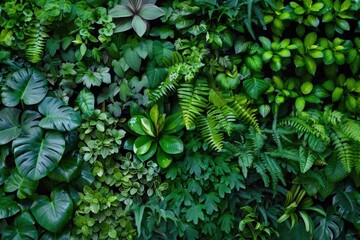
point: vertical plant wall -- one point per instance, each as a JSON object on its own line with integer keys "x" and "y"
{"x": 195, "y": 119}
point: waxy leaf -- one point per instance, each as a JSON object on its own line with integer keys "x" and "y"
{"x": 27, "y": 85}
{"x": 86, "y": 102}
{"x": 171, "y": 144}
{"x": 163, "y": 159}
{"x": 58, "y": 116}
{"x": 135, "y": 125}
{"x": 37, "y": 155}
{"x": 67, "y": 170}
{"x": 142, "y": 144}
{"x": 8, "y": 207}
{"x": 139, "y": 25}
{"x": 53, "y": 214}
{"x": 9, "y": 125}
{"x": 23, "y": 228}
{"x": 24, "y": 187}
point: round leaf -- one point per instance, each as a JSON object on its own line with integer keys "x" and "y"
{"x": 163, "y": 159}
{"x": 171, "y": 144}
{"x": 53, "y": 214}
{"x": 27, "y": 85}
{"x": 58, "y": 116}
{"x": 142, "y": 144}
{"x": 9, "y": 125}
{"x": 35, "y": 155}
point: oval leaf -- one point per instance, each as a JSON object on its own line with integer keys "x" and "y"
{"x": 86, "y": 102}
{"x": 58, "y": 116}
{"x": 254, "y": 87}
{"x": 149, "y": 153}
{"x": 27, "y": 85}
{"x": 171, "y": 144}
{"x": 9, "y": 125}
{"x": 139, "y": 25}
{"x": 35, "y": 155}
{"x": 142, "y": 144}
{"x": 163, "y": 159}
{"x": 53, "y": 214}
{"x": 135, "y": 125}
{"x": 150, "y": 12}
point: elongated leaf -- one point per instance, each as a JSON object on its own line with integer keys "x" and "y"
{"x": 171, "y": 144}
{"x": 27, "y": 85}
{"x": 37, "y": 155}
{"x": 9, "y": 125}
{"x": 120, "y": 11}
{"x": 24, "y": 187}
{"x": 58, "y": 116}
{"x": 139, "y": 25}
{"x": 150, "y": 12}
{"x": 86, "y": 102}
{"x": 254, "y": 87}
{"x": 53, "y": 214}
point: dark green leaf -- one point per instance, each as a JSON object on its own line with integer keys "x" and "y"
{"x": 151, "y": 12}
{"x": 254, "y": 87}
{"x": 67, "y": 170}
{"x": 9, "y": 125}
{"x": 8, "y": 207}
{"x": 22, "y": 229}
{"x": 135, "y": 125}
{"x": 24, "y": 187}
{"x": 142, "y": 144}
{"x": 86, "y": 102}
{"x": 139, "y": 25}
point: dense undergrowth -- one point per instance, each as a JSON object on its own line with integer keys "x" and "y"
{"x": 196, "y": 119}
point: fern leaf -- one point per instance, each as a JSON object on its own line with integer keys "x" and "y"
{"x": 210, "y": 132}
{"x": 335, "y": 171}
{"x": 193, "y": 101}
{"x": 306, "y": 160}
{"x": 225, "y": 116}
{"x": 36, "y": 42}
{"x": 343, "y": 149}
{"x": 245, "y": 114}
{"x": 274, "y": 170}
{"x": 261, "y": 170}
{"x": 351, "y": 129}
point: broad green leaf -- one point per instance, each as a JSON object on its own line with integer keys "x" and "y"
{"x": 67, "y": 169}
{"x": 37, "y": 154}
{"x": 310, "y": 65}
{"x": 123, "y": 25}
{"x": 150, "y": 12}
{"x": 265, "y": 42}
{"x": 139, "y": 213}
{"x": 142, "y": 144}
{"x": 171, "y": 144}
{"x": 53, "y": 214}
{"x": 9, "y": 125}
{"x": 163, "y": 159}
{"x": 120, "y": 11}
{"x": 162, "y": 51}
{"x": 162, "y": 32}
{"x": 22, "y": 229}
{"x": 310, "y": 39}
{"x": 254, "y": 87}
{"x": 8, "y": 207}
{"x": 155, "y": 75}
{"x": 132, "y": 59}
{"x": 135, "y": 125}
{"x": 86, "y": 102}
{"x": 148, "y": 127}
{"x": 154, "y": 114}
{"x": 328, "y": 227}
{"x": 58, "y": 116}
{"x": 194, "y": 213}
{"x": 173, "y": 123}
{"x": 29, "y": 121}
{"x": 27, "y": 85}
{"x": 254, "y": 62}
{"x": 24, "y": 187}
{"x": 139, "y": 25}
{"x": 316, "y": 53}
{"x": 328, "y": 57}
{"x": 149, "y": 153}
{"x": 64, "y": 235}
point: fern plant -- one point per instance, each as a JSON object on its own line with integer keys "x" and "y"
{"x": 36, "y": 42}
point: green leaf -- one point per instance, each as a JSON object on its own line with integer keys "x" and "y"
{"x": 154, "y": 114}
{"x": 142, "y": 144}
{"x": 328, "y": 57}
{"x": 163, "y": 159}
{"x": 8, "y": 207}
{"x": 9, "y": 125}
{"x": 135, "y": 125}
{"x": 148, "y": 127}
{"x": 120, "y": 11}
{"x": 86, "y": 102}
{"x": 67, "y": 169}
{"x": 132, "y": 59}
{"x": 24, "y": 187}
{"x": 139, "y": 213}
{"x": 150, "y": 12}
{"x": 171, "y": 144}
{"x": 53, "y": 214}
{"x": 211, "y": 203}
{"x": 139, "y": 25}
{"x": 254, "y": 63}
{"x": 310, "y": 39}
{"x": 328, "y": 227}
{"x": 265, "y": 42}
{"x": 64, "y": 235}
{"x": 149, "y": 153}
{"x": 316, "y": 54}
{"x": 58, "y": 116}
{"x": 254, "y": 87}
{"x": 23, "y": 228}
{"x": 29, "y": 121}
{"x": 194, "y": 213}
{"x": 27, "y": 85}
{"x": 306, "y": 161}
{"x": 173, "y": 123}
{"x": 37, "y": 155}
{"x": 310, "y": 65}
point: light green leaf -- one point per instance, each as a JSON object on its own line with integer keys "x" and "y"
{"x": 310, "y": 39}
{"x": 135, "y": 125}
{"x": 86, "y": 102}
{"x": 58, "y": 116}
{"x": 310, "y": 65}
{"x": 142, "y": 144}
{"x": 254, "y": 87}
{"x": 120, "y": 11}
{"x": 171, "y": 144}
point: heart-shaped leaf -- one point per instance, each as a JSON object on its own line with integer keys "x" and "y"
{"x": 58, "y": 116}
{"x": 23, "y": 228}
{"x": 37, "y": 155}
{"x": 24, "y": 187}
{"x": 9, "y": 125}
{"x": 67, "y": 170}
{"x": 8, "y": 207}
{"x": 53, "y": 214}
{"x": 171, "y": 144}
{"x": 27, "y": 85}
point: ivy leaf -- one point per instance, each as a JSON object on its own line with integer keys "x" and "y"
{"x": 86, "y": 102}
{"x": 226, "y": 220}
{"x": 58, "y": 116}
{"x": 194, "y": 213}
{"x": 9, "y": 125}
{"x": 254, "y": 87}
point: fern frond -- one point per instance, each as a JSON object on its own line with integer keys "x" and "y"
{"x": 175, "y": 58}
{"x": 343, "y": 149}
{"x": 225, "y": 116}
{"x": 36, "y": 42}
{"x": 210, "y": 132}
{"x": 245, "y": 114}
{"x": 288, "y": 154}
{"x": 274, "y": 170}
{"x": 351, "y": 129}
{"x": 193, "y": 100}
{"x": 261, "y": 170}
